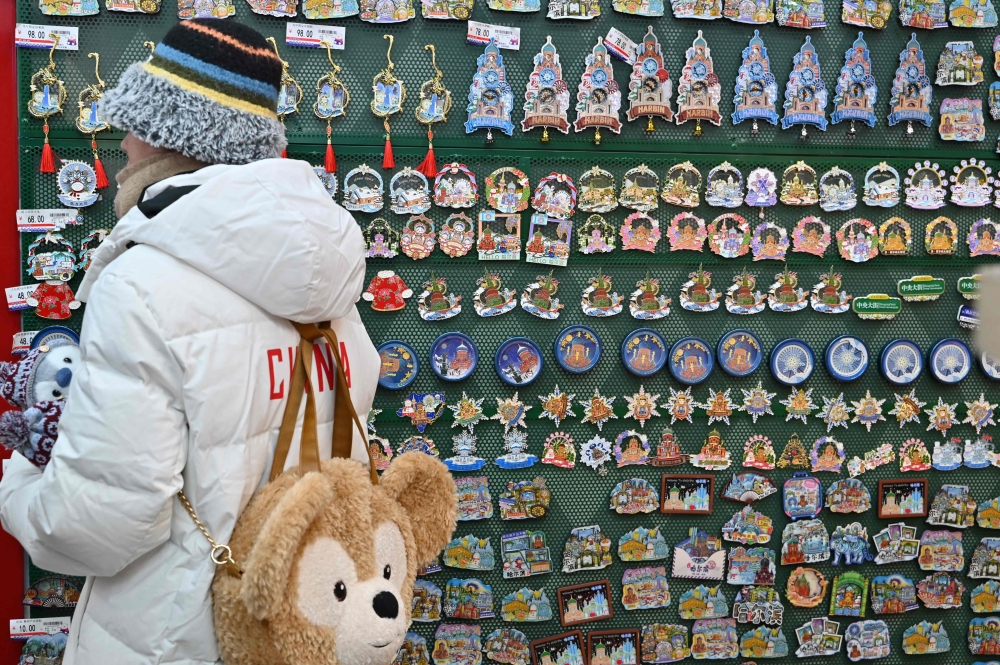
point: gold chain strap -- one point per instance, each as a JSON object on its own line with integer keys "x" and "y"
{"x": 221, "y": 554}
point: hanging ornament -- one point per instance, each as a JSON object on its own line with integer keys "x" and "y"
{"x": 596, "y": 235}
{"x": 290, "y": 92}
{"x": 646, "y": 303}
{"x": 511, "y": 412}
{"x": 681, "y": 186}
{"x": 652, "y": 8}
{"x": 785, "y": 294}
{"x": 911, "y": 91}
{"x": 942, "y": 416}
{"x": 187, "y": 9}
{"x": 546, "y": 100}
{"x": 434, "y": 106}
{"x": 756, "y": 88}
{"x": 805, "y": 94}
{"x": 598, "y": 97}
{"x": 89, "y": 245}
{"x": 649, "y": 84}
{"x": 456, "y": 236}
{"x": 827, "y": 296}
{"x": 90, "y": 122}
{"x": 491, "y": 99}
{"x": 835, "y": 412}
{"x": 389, "y": 93}
{"x": 48, "y": 94}
{"x": 77, "y": 185}
{"x": 856, "y": 89}
{"x": 332, "y": 98}
{"x": 698, "y": 89}
{"x": 536, "y": 299}
{"x": 595, "y": 453}
{"x": 743, "y": 297}
{"x": 907, "y": 408}
{"x": 697, "y": 294}
{"x": 972, "y": 183}
{"x": 799, "y": 405}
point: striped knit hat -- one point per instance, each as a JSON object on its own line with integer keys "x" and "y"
{"x": 209, "y": 91}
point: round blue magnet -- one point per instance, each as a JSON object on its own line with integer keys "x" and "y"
{"x": 454, "y": 356}
{"x": 518, "y": 361}
{"x": 901, "y": 362}
{"x": 847, "y": 358}
{"x": 792, "y": 362}
{"x": 950, "y": 361}
{"x": 644, "y": 352}
{"x": 577, "y": 349}
{"x": 398, "y": 365}
{"x": 989, "y": 365}
{"x": 691, "y": 360}
{"x": 739, "y": 353}
{"x": 52, "y": 333}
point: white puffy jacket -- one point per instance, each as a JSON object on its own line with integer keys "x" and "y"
{"x": 186, "y": 362}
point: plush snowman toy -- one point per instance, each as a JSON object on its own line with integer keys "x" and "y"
{"x": 37, "y": 384}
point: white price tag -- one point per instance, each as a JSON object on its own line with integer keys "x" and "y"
{"x": 17, "y": 296}
{"x": 22, "y": 342}
{"x": 310, "y": 36}
{"x": 40, "y": 221}
{"x": 22, "y": 629}
{"x": 620, "y": 46}
{"x": 505, "y": 38}
{"x": 28, "y": 35}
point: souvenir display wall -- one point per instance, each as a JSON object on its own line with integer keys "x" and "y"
{"x": 780, "y": 312}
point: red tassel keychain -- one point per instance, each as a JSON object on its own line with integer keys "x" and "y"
{"x": 89, "y": 121}
{"x": 434, "y": 105}
{"x": 331, "y": 102}
{"x": 390, "y": 93}
{"x": 48, "y": 94}
{"x": 429, "y": 166}
{"x": 388, "y": 159}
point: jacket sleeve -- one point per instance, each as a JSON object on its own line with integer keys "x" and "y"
{"x": 106, "y": 497}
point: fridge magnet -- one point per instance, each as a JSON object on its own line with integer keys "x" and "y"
{"x": 757, "y": 14}
{"x": 387, "y": 292}
{"x": 372, "y": 11}
{"x": 363, "y": 190}
{"x": 468, "y": 599}
{"x": 491, "y": 298}
{"x": 785, "y": 295}
{"x": 381, "y": 241}
{"x": 802, "y": 496}
{"x": 511, "y": 413}
{"x": 668, "y": 452}
{"x": 642, "y": 544}
{"x": 685, "y": 494}
{"x": 690, "y": 361}
{"x": 748, "y": 527}
{"x": 508, "y": 190}
{"x": 418, "y": 238}
{"x": 849, "y": 595}
{"x": 881, "y": 186}
{"x": 546, "y": 99}
{"x": 649, "y": 85}
{"x": 645, "y": 588}
{"x": 526, "y": 606}
{"x": 848, "y": 495}
{"x": 564, "y": 649}
{"x": 52, "y": 261}
{"x": 557, "y": 406}
{"x": 818, "y": 637}
{"x": 699, "y": 556}
{"x": 941, "y": 237}
{"x": 984, "y": 636}
{"x": 989, "y": 364}
{"x": 902, "y": 498}
{"x": 644, "y": 353}
{"x": 586, "y": 549}
{"x": 985, "y": 562}
{"x": 88, "y": 247}
{"x": 941, "y": 591}
{"x": 718, "y": 407}
{"x": 769, "y": 242}
{"x": 597, "y": 193}
{"x": 835, "y": 412}
{"x": 959, "y": 64}
{"x": 455, "y": 187}
{"x": 748, "y": 487}
{"x": 994, "y": 100}
{"x": 491, "y": 99}
{"x": 410, "y": 194}
{"x": 703, "y": 602}
{"x": 631, "y": 447}
{"x": 555, "y": 196}
{"x": 962, "y": 120}
{"x": 979, "y": 414}
{"x": 682, "y": 185}
{"x": 952, "y": 506}
{"x": 729, "y": 236}
{"x": 741, "y": 298}
{"x": 454, "y": 357}
{"x": 640, "y": 232}
{"x": 988, "y": 516}
{"x": 758, "y": 453}
{"x": 634, "y": 496}
{"x": 698, "y": 88}
{"x": 925, "y": 186}
{"x": 398, "y": 365}
{"x": 686, "y": 232}
{"x": 984, "y": 598}
{"x": 811, "y": 235}
{"x": 87, "y": 8}
{"x": 926, "y": 638}
{"x": 867, "y": 640}
{"x": 806, "y": 587}
{"x": 52, "y": 591}
{"x": 639, "y": 190}
{"x": 764, "y": 643}
{"x": 597, "y": 298}
{"x": 709, "y": 10}
{"x": 613, "y": 646}
{"x": 595, "y": 453}
{"x": 921, "y": 288}
{"x": 474, "y": 500}
{"x": 584, "y": 11}
{"x": 499, "y": 236}
{"x": 901, "y": 363}
{"x": 856, "y": 90}
{"x": 978, "y": 454}
{"x": 598, "y": 98}
{"x": 329, "y": 181}
{"x": 857, "y": 241}
{"x": 714, "y": 639}
{"x": 751, "y": 566}
{"x": 646, "y": 303}
{"x": 548, "y": 244}
{"x": 664, "y": 643}
{"x": 799, "y": 405}
{"x": 455, "y": 237}
{"x": 724, "y": 188}
{"x": 419, "y": 444}
{"x": 798, "y": 185}
{"x": 805, "y": 94}
{"x": 525, "y": 499}
{"x": 868, "y": 410}
{"x": 827, "y": 455}
{"x": 950, "y": 361}
{"x": 804, "y": 14}
{"x": 577, "y": 349}
{"x": 893, "y": 594}
{"x": 877, "y": 306}
{"x": 680, "y": 406}
{"x": 948, "y": 455}
{"x": 982, "y": 238}
{"x": 596, "y": 236}
{"x": 414, "y": 650}
{"x": 757, "y": 402}
{"x": 518, "y": 361}
{"x": 598, "y": 410}
{"x": 896, "y": 543}
{"x": 757, "y": 605}
{"x": 978, "y": 14}
{"x": 642, "y": 405}
{"x": 913, "y": 456}
{"x": 525, "y": 554}
{"x": 762, "y": 187}
{"x": 521, "y": 6}
{"x": 756, "y": 91}
{"x": 77, "y": 185}
{"x": 971, "y": 184}
{"x": 805, "y": 542}
{"x": 847, "y": 359}
{"x": 464, "y": 445}
{"x": 827, "y": 298}
{"x": 836, "y": 188}
{"x": 925, "y": 14}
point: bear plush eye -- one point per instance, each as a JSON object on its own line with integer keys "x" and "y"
{"x": 340, "y": 591}
{"x": 387, "y": 571}
{"x": 57, "y": 393}
{"x": 390, "y": 553}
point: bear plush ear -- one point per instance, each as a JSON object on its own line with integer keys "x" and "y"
{"x": 425, "y": 489}
{"x": 265, "y": 573}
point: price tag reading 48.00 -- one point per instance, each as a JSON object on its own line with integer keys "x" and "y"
{"x": 505, "y": 38}
{"x": 310, "y": 36}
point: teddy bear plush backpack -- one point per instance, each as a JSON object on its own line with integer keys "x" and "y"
{"x": 321, "y": 564}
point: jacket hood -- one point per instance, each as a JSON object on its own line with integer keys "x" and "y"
{"x": 266, "y": 230}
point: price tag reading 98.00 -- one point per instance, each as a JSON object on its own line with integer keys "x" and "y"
{"x": 504, "y": 37}
{"x": 311, "y": 36}
{"x": 29, "y": 35}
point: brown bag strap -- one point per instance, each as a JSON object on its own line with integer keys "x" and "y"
{"x": 309, "y": 444}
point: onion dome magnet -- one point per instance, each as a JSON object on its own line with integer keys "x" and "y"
{"x": 518, "y": 361}
{"x": 856, "y": 89}
{"x": 577, "y": 349}
{"x": 901, "y": 362}
{"x": 846, "y": 358}
{"x": 644, "y": 352}
{"x": 508, "y": 190}
{"x": 911, "y": 88}
{"x": 491, "y": 99}
{"x": 756, "y": 89}
{"x": 691, "y": 360}
{"x": 792, "y": 362}
{"x": 950, "y": 361}
{"x": 805, "y": 94}
{"x": 454, "y": 356}
{"x": 399, "y": 365}
{"x": 739, "y": 353}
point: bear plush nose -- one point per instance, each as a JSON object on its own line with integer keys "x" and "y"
{"x": 64, "y": 376}
{"x": 386, "y": 605}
